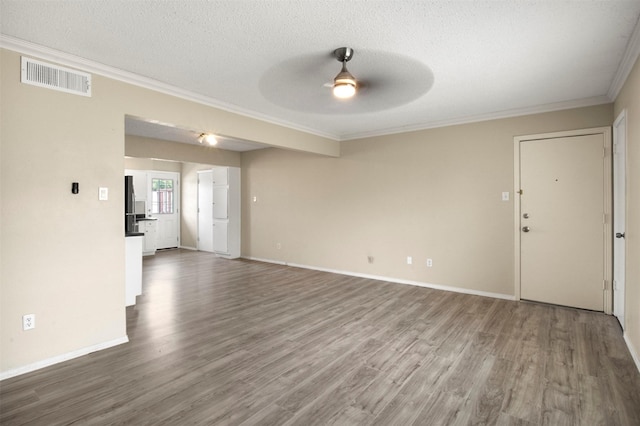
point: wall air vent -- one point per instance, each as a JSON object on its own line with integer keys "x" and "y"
{"x": 55, "y": 77}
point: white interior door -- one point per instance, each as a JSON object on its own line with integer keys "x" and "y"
{"x": 163, "y": 203}
{"x": 619, "y": 214}
{"x": 562, "y": 230}
{"x": 205, "y": 211}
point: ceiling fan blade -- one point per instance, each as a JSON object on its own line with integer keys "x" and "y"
{"x": 384, "y": 81}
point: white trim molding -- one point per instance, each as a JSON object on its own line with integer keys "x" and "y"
{"x": 391, "y": 280}
{"x": 536, "y": 109}
{"x": 632, "y": 350}
{"x": 48, "y": 54}
{"x": 45, "y": 53}
{"x": 258, "y": 259}
{"x": 62, "y": 358}
{"x": 628, "y": 60}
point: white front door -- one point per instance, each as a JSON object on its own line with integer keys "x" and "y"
{"x": 205, "y": 211}
{"x": 562, "y": 234}
{"x": 619, "y": 214}
{"x": 163, "y": 203}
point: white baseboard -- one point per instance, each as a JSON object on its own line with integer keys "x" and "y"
{"x": 392, "y": 280}
{"x": 258, "y": 259}
{"x": 188, "y": 248}
{"x": 61, "y": 358}
{"x": 632, "y": 350}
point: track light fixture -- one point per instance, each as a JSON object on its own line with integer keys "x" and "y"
{"x": 208, "y": 138}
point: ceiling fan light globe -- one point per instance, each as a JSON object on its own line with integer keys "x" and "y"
{"x": 344, "y": 90}
{"x": 344, "y": 85}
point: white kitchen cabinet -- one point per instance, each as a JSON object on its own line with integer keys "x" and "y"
{"x": 220, "y": 237}
{"x": 133, "y": 268}
{"x": 220, "y": 202}
{"x": 149, "y": 228}
{"x": 219, "y": 211}
{"x": 220, "y": 175}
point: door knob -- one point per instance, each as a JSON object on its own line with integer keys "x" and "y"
{"x": 525, "y": 229}
{"x": 619, "y": 234}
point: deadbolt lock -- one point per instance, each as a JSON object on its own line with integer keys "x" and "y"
{"x": 525, "y": 229}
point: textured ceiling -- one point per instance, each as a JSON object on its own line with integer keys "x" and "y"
{"x": 425, "y": 63}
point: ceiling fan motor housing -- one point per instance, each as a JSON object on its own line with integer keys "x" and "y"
{"x": 343, "y": 54}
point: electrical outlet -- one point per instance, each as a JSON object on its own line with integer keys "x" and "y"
{"x": 409, "y": 260}
{"x": 278, "y": 246}
{"x": 28, "y": 321}
{"x": 429, "y": 263}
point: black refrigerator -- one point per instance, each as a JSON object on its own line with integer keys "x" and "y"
{"x": 129, "y": 206}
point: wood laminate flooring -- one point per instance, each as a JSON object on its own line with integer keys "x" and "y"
{"x": 215, "y": 341}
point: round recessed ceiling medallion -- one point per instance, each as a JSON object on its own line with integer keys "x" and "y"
{"x": 384, "y": 81}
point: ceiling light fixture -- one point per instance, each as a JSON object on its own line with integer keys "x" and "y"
{"x": 344, "y": 85}
{"x": 208, "y": 138}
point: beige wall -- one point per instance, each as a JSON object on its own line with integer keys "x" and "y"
{"x": 629, "y": 99}
{"x": 428, "y": 194}
{"x": 53, "y": 242}
{"x": 62, "y": 255}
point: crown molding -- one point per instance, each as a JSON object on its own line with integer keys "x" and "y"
{"x": 28, "y": 48}
{"x": 45, "y": 53}
{"x": 629, "y": 59}
{"x": 538, "y": 109}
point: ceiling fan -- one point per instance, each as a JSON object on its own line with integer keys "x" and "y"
{"x": 382, "y": 80}
{"x": 345, "y": 84}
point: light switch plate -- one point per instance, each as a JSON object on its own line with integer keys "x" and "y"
{"x": 505, "y": 196}
{"x": 103, "y": 194}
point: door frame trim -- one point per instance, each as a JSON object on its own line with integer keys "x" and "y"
{"x": 608, "y": 204}
{"x": 199, "y": 173}
{"x": 622, "y": 116}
